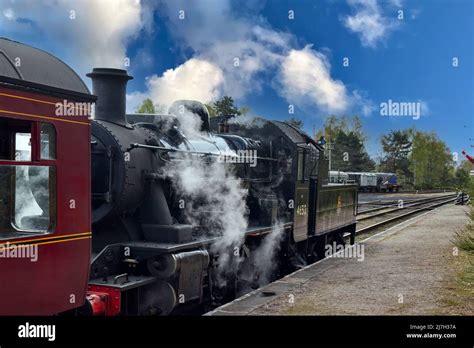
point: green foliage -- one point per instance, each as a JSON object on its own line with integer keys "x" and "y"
{"x": 244, "y": 110}
{"x": 396, "y": 147}
{"x": 295, "y": 122}
{"x": 349, "y": 146}
{"x": 212, "y": 111}
{"x": 348, "y": 139}
{"x": 431, "y": 162}
{"x": 147, "y": 107}
{"x": 226, "y": 107}
{"x": 462, "y": 179}
{"x": 464, "y": 239}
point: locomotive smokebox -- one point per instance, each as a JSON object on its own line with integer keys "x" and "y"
{"x": 110, "y": 87}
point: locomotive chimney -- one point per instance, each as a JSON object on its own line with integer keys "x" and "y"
{"x": 110, "y": 87}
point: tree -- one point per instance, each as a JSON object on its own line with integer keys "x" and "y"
{"x": 431, "y": 162}
{"x": 396, "y": 146}
{"x": 462, "y": 179}
{"x": 349, "y": 153}
{"x": 147, "y": 107}
{"x": 348, "y": 139}
{"x": 226, "y": 107}
{"x": 211, "y": 110}
{"x": 295, "y": 122}
{"x": 244, "y": 110}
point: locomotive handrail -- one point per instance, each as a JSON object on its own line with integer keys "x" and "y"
{"x": 166, "y": 149}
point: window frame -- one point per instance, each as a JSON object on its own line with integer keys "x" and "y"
{"x": 35, "y": 161}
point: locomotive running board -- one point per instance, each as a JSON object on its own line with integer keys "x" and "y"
{"x": 129, "y": 282}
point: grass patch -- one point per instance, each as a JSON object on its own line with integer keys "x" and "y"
{"x": 464, "y": 240}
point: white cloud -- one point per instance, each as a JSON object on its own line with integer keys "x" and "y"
{"x": 369, "y": 22}
{"x": 95, "y": 33}
{"x": 196, "y": 79}
{"x": 305, "y": 78}
{"x": 9, "y": 14}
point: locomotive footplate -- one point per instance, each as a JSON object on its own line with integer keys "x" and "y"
{"x": 123, "y": 282}
{"x": 156, "y": 248}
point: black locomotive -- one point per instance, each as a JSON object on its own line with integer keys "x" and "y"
{"x": 147, "y": 243}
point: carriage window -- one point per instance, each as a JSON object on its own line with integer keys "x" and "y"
{"x": 23, "y": 147}
{"x": 48, "y": 141}
{"x": 15, "y": 140}
{"x": 27, "y": 200}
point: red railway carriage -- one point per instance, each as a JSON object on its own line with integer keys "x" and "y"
{"x": 45, "y": 232}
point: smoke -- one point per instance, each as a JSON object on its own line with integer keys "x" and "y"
{"x": 267, "y": 262}
{"x": 196, "y": 79}
{"x": 189, "y": 123}
{"x": 248, "y": 121}
{"x": 214, "y": 197}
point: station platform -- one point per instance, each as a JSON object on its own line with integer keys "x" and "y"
{"x": 403, "y": 270}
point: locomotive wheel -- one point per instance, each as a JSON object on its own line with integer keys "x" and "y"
{"x": 316, "y": 250}
{"x": 158, "y": 298}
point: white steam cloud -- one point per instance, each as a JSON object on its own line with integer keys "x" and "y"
{"x": 214, "y": 198}
{"x": 196, "y": 79}
{"x": 95, "y": 33}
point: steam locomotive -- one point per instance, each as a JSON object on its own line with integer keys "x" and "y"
{"x": 182, "y": 215}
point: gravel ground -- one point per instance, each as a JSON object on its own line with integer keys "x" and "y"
{"x": 406, "y": 271}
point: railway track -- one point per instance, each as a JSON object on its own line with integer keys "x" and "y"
{"x": 399, "y": 204}
{"x": 384, "y": 204}
{"x": 386, "y": 215}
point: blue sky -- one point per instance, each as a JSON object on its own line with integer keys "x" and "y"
{"x": 282, "y": 61}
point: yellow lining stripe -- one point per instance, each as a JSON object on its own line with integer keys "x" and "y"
{"x": 32, "y": 99}
{"x": 44, "y": 117}
{"x": 25, "y": 98}
{"x": 12, "y": 246}
{"x": 49, "y": 238}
